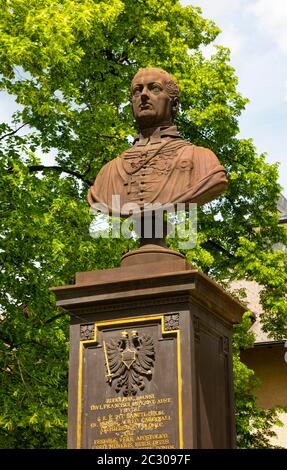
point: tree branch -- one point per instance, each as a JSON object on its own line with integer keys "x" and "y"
{"x": 55, "y": 317}
{"x": 59, "y": 169}
{"x": 12, "y": 132}
{"x": 22, "y": 376}
{"x": 101, "y": 136}
{"x": 218, "y": 247}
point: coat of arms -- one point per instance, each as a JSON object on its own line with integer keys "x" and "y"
{"x": 129, "y": 360}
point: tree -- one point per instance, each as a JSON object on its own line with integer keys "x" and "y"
{"x": 69, "y": 64}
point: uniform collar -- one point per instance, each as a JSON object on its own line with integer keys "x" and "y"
{"x": 154, "y": 135}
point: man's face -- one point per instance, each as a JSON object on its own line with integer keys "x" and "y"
{"x": 150, "y": 101}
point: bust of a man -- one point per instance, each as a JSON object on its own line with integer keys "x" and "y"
{"x": 160, "y": 167}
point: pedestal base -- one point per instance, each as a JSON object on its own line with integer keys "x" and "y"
{"x": 150, "y": 253}
{"x": 150, "y": 358}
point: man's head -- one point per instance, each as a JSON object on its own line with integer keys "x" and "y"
{"x": 155, "y": 97}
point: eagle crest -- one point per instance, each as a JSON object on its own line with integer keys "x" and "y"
{"x": 129, "y": 360}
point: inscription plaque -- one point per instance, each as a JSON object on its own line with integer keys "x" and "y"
{"x": 133, "y": 368}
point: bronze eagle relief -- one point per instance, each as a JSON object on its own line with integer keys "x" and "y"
{"x": 129, "y": 362}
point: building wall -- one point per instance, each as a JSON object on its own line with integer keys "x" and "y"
{"x": 270, "y": 367}
{"x": 267, "y": 362}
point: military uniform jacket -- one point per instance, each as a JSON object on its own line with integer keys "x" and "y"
{"x": 161, "y": 169}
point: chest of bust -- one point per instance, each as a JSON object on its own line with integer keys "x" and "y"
{"x": 148, "y": 168}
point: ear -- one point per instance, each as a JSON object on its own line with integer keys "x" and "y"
{"x": 174, "y": 106}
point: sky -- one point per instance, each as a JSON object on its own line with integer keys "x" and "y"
{"x": 256, "y": 33}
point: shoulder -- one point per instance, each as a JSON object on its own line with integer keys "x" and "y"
{"x": 107, "y": 167}
{"x": 196, "y": 151}
{"x": 201, "y": 159}
{"x": 199, "y": 151}
{"x": 105, "y": 173}
{"x": 203, "y": 153}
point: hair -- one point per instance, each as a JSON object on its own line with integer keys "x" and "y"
{"x": 171, "y": 85}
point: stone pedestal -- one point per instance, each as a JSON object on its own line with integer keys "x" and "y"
{"x": 150, "y": 358}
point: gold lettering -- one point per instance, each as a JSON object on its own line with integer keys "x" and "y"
{"x": 131, "y": 422}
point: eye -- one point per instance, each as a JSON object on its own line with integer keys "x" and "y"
{"x": 155, "y": 88}
{"x": 136, "y": 91}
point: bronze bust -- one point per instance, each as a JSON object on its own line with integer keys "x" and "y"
{"x": 160, "y": 167}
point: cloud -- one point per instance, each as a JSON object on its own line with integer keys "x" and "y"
{"x": 285, "y": 93}
{"x": 8, "y": 106}
{"x": 224, "y": 13}
{"x": 272, "y": 19}
{"x": 214, "y": 8}
{"x": 232, "y": 38}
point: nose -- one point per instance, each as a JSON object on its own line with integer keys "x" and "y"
{"x": 145, "y": 93}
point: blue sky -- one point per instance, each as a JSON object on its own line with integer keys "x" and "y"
{"x": 256, "y": 33}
